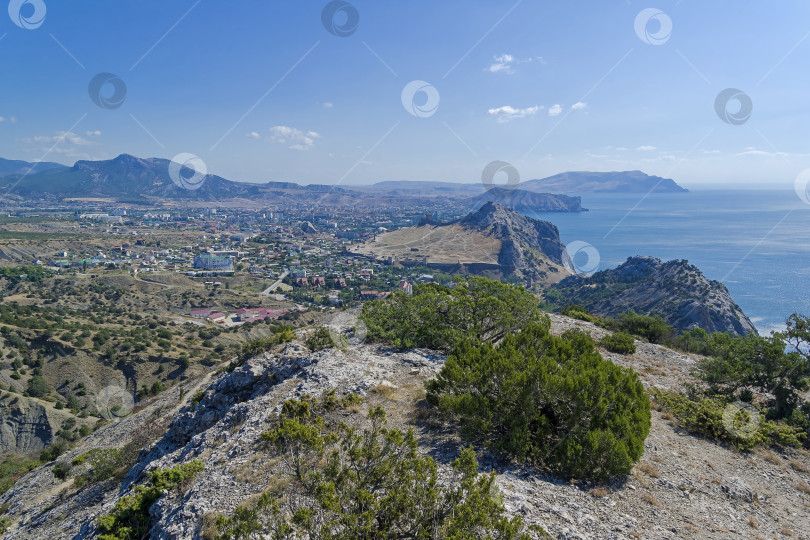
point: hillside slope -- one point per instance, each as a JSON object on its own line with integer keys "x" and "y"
{"x": 500, "y": 241}
{"x": 614, "y": 182}
{"x": 527, "y": 202}
{"x": 684, "y": 487}
{"x": 675, "y": 290}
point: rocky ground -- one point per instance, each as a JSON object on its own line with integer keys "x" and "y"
{"x": 684, "y": 486}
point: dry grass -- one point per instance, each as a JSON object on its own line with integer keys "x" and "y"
{"x": 646, "y": 497}
{"x": 666, "y": 415}
{"x": 799, "y": 466}
{"x": 635, "y": 535}
{"x": 787, "y": 532}
{"x": 208, "y": 529}
{"x": 802, "y": 486}
{"x": 599, "y": 491}
{"x": 752, "y": 522}
{"x": 772, "y": 457}
{"x": 649, "y": 469}
{"x": 386, "y": 391}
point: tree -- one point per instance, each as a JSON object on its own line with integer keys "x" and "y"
{"x": 740, "y": 365}
{"x": 548, "y": 400}
{"x": 435, "y": 316}
{"x": 37, "y": 387}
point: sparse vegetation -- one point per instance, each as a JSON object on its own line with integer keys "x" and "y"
{"x": 706, "y": 416}
{"x": 366, "y": 483}
{"x": 130, "y": 518}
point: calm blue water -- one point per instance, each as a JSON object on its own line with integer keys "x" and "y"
{"x": 756, "y": 242}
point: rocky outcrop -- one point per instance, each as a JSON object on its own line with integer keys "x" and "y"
{"x": 528, "y": 202}
{"x": 26, "y": 425}
{"x": 675, "y": 290}
{"x": 529, "y": 246}
{"x": 684, "y": 487}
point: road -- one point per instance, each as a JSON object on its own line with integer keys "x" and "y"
{"x": 275, "y": 285}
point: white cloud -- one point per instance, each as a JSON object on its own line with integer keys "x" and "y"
{"x": 502, "y": 63}
{"x": 253, "y": 135}
{"x": 505, "y": 63}
{"x": 300, "y": 140}
{"x": 2, "y": 119}
{"x": 507, "y": 112}
{"x": 61, "y": 137}
{"x": 579, "y": 105}
{"x": 328, "y": 105}
{"x": 555, "y": 110}
{"x": 645, "y": 148}
{"x": 752, "y": 151}
{"x": 710, "y": 151}
{"x": 94, "y": 133}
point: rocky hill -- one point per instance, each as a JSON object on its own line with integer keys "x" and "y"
{"x": 675, "y": 290}
{"x": 528, "y": 202}
{"x": 614, "y": 182}
{"x": 494, "y": 241}
{"x": 15, "y": 166}
{"x": 684, "y": 486}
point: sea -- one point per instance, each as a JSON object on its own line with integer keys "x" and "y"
{"x": 756, "y": 242}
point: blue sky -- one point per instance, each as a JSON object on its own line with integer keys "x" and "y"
{"x": 262, "y": 91}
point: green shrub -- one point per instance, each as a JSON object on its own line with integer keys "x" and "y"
{"x": 436, "y": 316}
{"x": 705, "y": 416}
{"x": 319, "y": 339}
{"x": 619, "y": 342}
{"x": 281, "y": 334}
{"x": 53, "y": 451}
{"x": 369, "y": 483}
{"x": 37, "y": 387}
{"x": 130, "y": 518}
{"x": 548, "y": 400}
{"x": 61, "y": 470}
{"x": 577, "y": 312}
{"x": 654, "y": 329}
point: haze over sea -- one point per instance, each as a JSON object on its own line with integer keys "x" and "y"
{"x": 757, "y": 242}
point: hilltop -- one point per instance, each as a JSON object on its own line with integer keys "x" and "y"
{"x": 683, "y": 487}
{"x": 613, "y": 182}
{"x": 528, "y": 202}
{"x": 675, "y": 290}
{"x": 493, "y": 241}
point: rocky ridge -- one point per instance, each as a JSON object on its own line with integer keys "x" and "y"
{"x": 528, "y": 202}
{"x": 684, "y": 487}
{"x": 675, "y": 290}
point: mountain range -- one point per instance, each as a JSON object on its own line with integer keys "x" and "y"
{"x": 128, "y": 178}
